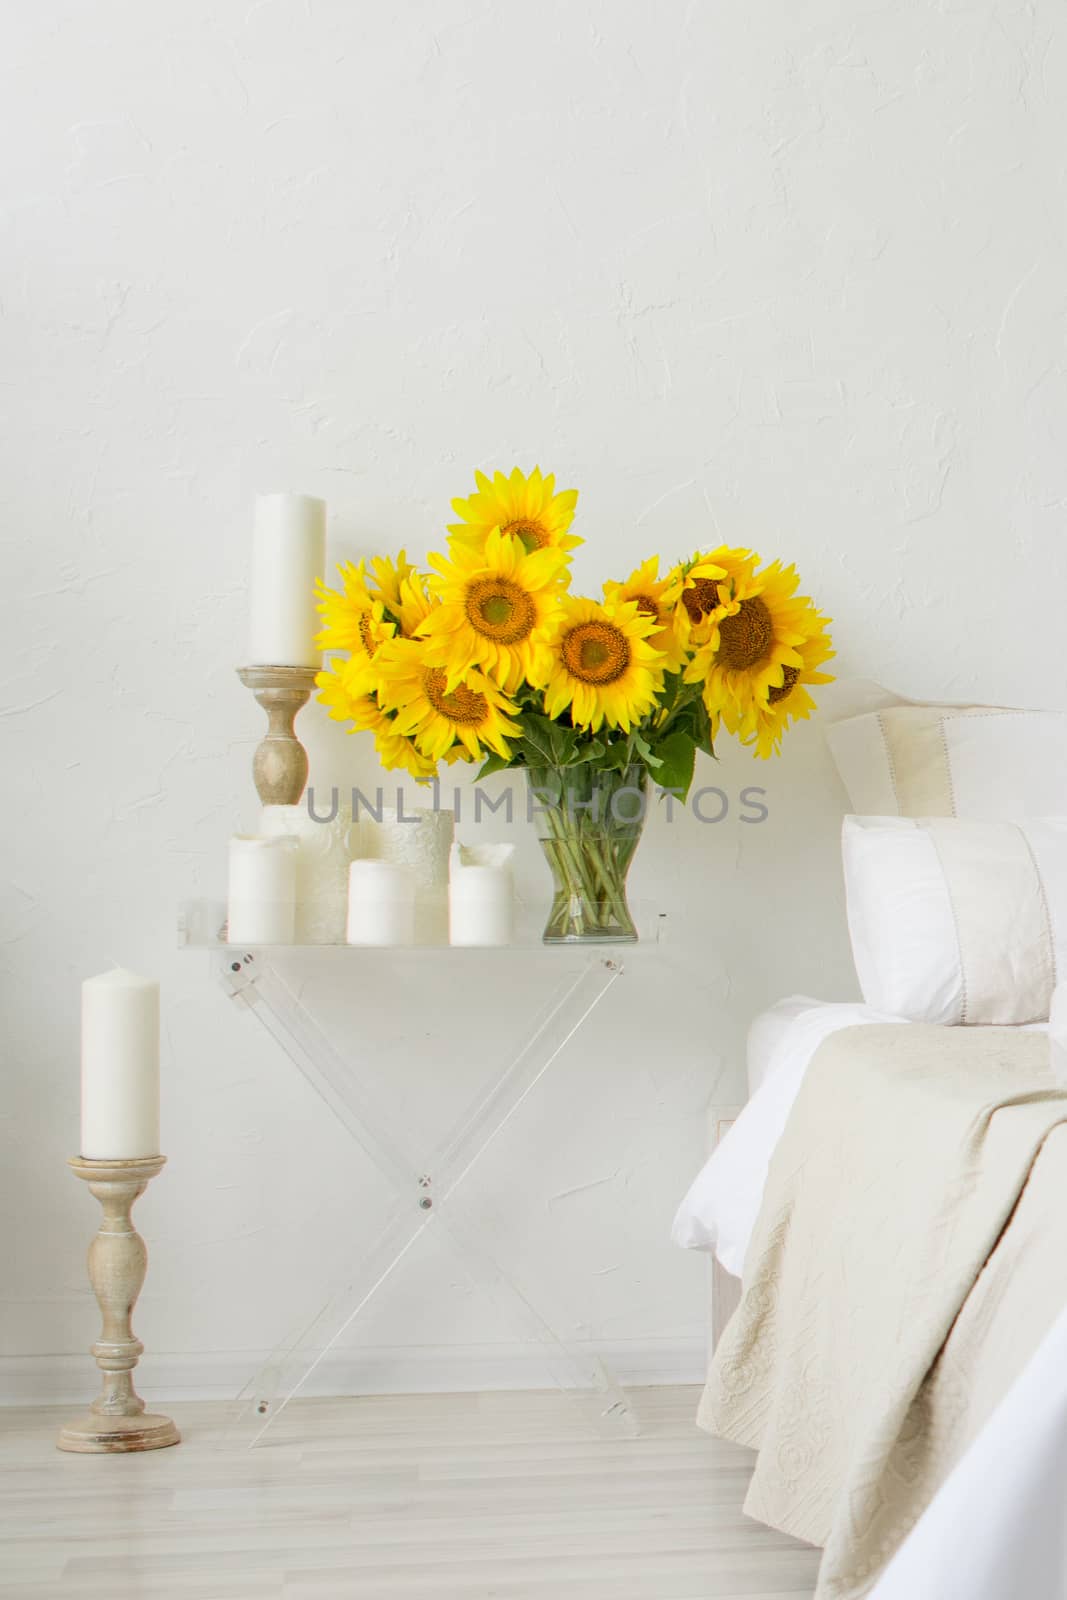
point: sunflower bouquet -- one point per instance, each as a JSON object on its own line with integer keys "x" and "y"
{"x": 489, "y": 658}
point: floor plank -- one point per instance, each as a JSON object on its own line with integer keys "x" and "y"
{"x": 407, "y": 1497}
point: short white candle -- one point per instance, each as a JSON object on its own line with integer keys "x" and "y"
{"x": 481, "y": 895}
{"x": 288, "y": 555}
{"x": 262, "y": 890}
{"x": 419, "y": 839}
{"x": 381, "y": 903}
{"x": 120, "y": 1067}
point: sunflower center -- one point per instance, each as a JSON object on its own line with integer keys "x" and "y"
{"x": 789, "y": 678}
{"x": 532, "y": 534}
{"x": 459, "y": 705}
{"x": 701, "y": 598}
{"x": 500, "y": 610}
{"x": 745, "y": 639}
{"x": 646, "y": 606}
{"x": 366, "y": 636}
{"x": 595, "y": 652}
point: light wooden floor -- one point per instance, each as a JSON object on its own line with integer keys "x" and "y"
{"x": 441, "y": 1497}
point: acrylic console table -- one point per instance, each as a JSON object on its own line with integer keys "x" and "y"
{"x": 428, "y": 1192}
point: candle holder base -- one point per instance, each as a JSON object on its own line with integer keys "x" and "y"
{"x": 116, "y": 1422}
{"x": 95, "y": 1435}
{"x": 280, "y": 764}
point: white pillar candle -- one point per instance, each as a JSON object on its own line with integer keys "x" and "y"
{"x": 419, "y": 839}
{"x": 381, "y": 903}
{"x": 481, "y": 896}
{"x": 262, "y": 890}
{"x": 120, "y": 1067}
{"x": 322, "y": 857}
{"x": 288, "y": 555}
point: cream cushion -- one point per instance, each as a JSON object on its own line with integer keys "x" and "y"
{"x": 898, "y": 758}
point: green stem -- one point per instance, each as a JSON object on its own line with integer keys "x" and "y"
{"x": 686, "y": 696}
{"x": 589, "y": 851}
{"x": 612, "y": 876}
{"x": 569, "y": 855}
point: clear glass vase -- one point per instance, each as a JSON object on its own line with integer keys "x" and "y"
{"x": 589, "y": 823}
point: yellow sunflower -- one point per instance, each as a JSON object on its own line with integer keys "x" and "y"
{"x": 709, "y": 587}
{"x": 600, "y": 663}
{"x": 789, "y": 700}
{"x": 334, "y": 692}
{"x": 750, "y": 643}
{"x": 389, "y": 578}
{"x": 353, "y": 620}
{"x": 365, "y": 715}
{"x": 657, "y": 598}
{"x": 414, "y": 605}
{"x": 436, "y": 714}
{"x": 494, "y": 606}
{"x": 528, "y": 508}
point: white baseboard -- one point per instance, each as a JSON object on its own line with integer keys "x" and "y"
{"x": 416, "y": 1369}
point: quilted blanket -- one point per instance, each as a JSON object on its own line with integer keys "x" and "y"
{"x": 908, "y": 1258}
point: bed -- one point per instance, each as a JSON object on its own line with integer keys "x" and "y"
{"x": 893, "y": 1196}
{"x": 994, "y": 1529}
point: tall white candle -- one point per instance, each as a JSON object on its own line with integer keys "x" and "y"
{"x": 381, "y": 903}
{"x": 262, "y": 890}
{"x": 120, "y": 1067}
{"x": 481, "y": 895}
{"x": 288, "y": 555}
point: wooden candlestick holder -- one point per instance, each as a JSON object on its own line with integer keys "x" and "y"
{"x": 280, "y": 764}
{"x": 116, "y": 1421}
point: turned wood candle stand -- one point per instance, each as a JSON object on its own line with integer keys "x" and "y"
{"x": 280, "y": 764}
{"x": 116, "y": 1421}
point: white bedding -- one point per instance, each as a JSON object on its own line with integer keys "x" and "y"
{"x": 719, "y": 1212}
{"x": 996, "y": 1530}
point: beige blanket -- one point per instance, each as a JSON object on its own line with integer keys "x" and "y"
{"x": 910, "y": 1254}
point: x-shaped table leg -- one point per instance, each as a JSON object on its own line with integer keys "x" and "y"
{"x": 427, "y": 1197}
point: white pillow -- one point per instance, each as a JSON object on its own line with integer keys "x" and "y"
{"x": 957, "y": 921}
{"x": 902, "y": 759}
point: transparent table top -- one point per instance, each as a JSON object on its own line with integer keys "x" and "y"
{"x": 202, "y": 926}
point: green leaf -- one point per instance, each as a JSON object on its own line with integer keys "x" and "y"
{"x": 554, "y": 742}
{"x": 693, "y": 721}
{"x": 493, "y": 763}
{"x": 536, "y": 746}
{"x": 668, "y": 695}
{"x": 702, "y": 729}
{"x": 646, "y": 752}
{"x": 616, "y": 756}
{"x": 677, "y": 759}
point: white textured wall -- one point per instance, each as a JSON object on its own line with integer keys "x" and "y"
{"x": 790, "y": 273}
